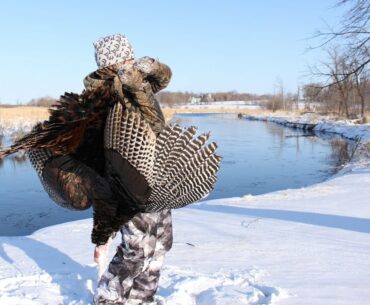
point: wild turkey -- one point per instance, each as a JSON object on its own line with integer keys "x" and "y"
{"x": 121, "y": 169}
{"x": 174, "y": 169}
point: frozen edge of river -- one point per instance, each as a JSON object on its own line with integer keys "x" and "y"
{"x": 346, "y": 129}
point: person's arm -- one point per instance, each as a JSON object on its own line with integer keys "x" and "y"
{"x": 134, "y": 87}
{"x": 157, "y": 73}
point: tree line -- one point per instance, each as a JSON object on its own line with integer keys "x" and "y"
{"x": 171, "y": 99}
{"x": 341, "y": 81}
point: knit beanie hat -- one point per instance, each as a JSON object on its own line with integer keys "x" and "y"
{"x": 112, "y": 49}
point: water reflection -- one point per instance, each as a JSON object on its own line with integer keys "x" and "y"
{"x": 24, "y": 205}
{"x": 261, "y": 157}
{"x": 16, "y": 159}
{"x": 341, "y": 150}
{"x": 341, "y": 153}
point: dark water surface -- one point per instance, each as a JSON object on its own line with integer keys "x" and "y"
{"x": 261, "y": 157}
{"x": 258, "y": 157}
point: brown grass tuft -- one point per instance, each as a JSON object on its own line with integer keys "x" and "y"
{"x": 26, "y": 113}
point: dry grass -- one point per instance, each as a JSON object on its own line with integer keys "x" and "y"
{"x": 35, "y": 114}
{"x": 30, "y": 114}
{"x": 169, "y": 112}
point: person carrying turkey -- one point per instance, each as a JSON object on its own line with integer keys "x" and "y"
{"x": 109, "y": 147}
{"x": 133, "y": 274}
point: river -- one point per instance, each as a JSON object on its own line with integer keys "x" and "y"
{"x": 258, "y": 157}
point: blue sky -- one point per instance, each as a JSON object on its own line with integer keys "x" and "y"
{"x": 46, "y": 46}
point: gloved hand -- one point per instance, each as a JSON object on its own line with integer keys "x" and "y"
{"x": 130, "y": 78}
{"x": 146, "y": 65}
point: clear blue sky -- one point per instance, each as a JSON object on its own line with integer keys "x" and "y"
{"x": 46, "y": 46}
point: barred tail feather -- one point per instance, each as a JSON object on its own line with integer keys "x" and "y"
{"x": 165, "y": 143}
{"x": 182, "y": 179}
{"x": 184, "y": 168}
{"x": 128, "y": 134}
{"x": 179, "y": 167}
{"x": 193, "y": 186}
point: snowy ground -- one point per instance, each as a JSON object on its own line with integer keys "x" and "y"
{"x": 307, "y": 246}
{"x": 221, "y": 105}
{"x": 20, "y": 125}
{"x": 346, "y": 128}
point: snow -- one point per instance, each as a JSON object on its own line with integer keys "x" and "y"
{"x": 346, "y": 128}
{"x": 221, "y": 105}
{"x": 307, "y": 246}
{"x": 20, "y": 125}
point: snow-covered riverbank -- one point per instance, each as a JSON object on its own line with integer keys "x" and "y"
{"x": 324, "y": 125}
{"x": 303, "y": 246}
{"x": 346, "y": 128}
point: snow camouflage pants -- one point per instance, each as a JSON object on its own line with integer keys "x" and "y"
{"x": 133, "y": 274}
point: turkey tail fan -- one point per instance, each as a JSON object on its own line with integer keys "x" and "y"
{"x": 178, "y": 167}
{"x": 191, "y": 182}
{"x": 127, "y": 133}
{"x": 166, "y": 141}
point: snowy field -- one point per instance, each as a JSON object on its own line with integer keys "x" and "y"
{"x": 306, "y": 246}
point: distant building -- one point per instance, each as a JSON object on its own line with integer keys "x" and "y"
{"x": 194, "y": 100}
{"x": 201, "y": 99}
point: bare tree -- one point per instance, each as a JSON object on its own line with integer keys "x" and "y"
{"x": 331, "y": 72}
{"x": 361, "y": 85}
{"x": 353, "y": 35}
{"x": 311, "y": 92}
{"x": 45, "y": 101}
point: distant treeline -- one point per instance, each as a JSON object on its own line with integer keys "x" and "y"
{"x": 45, "y": 101}
{"x": 172, "y": 98}
{"x": 167, "y": 98}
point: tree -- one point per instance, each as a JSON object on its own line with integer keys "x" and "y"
{"x": 361, "y": 85}
{"x": 332, "y": 71}
{"x": 353, "y": 35}
{"x": 45, "y": 101}
{"x": 311, "y": 92}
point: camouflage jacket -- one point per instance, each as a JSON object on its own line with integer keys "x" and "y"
{"x": 135, "y": 86}
{"x": 73, "y": 169}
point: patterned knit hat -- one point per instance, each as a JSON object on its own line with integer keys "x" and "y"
{"x": 112, "y": 49}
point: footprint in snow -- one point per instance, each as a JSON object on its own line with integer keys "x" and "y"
{"x": 182, "y": 287}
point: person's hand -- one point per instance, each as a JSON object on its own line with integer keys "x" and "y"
{"x": 130, "y": 78}
{"x": 101, "y": 256}
{"x": 99, "y": 252}
{"x": 146, "y": 65}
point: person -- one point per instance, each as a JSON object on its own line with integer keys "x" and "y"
{"x": 109, "y": 148}
{"x": 133, "y": 274}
